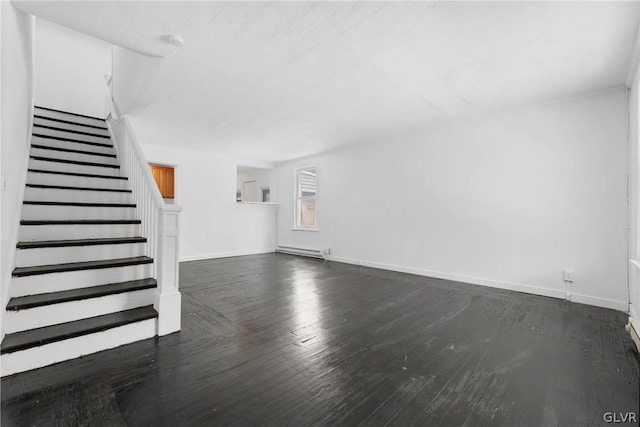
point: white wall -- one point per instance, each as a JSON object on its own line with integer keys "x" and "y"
{"x": 212, "y": 223}
{"x": 130, "y": 72}
{"x": 16, "y": 90}
{"x": 70, "y": 69}
{"x": 634, "y": 200}
{"x": 508, "y": 201}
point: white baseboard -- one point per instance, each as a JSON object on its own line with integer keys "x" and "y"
{"x": 226, "y": 254}
{"x": 511, "y": 286}
{"x": 600, "y": 302}
{"x": 343, "y": 260}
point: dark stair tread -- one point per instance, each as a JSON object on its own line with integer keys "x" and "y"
{"x": 69, "y": 187}
{"x": 79, "y": 141}
{"x": 50, "y": 334}
{"x": 49, "y": 298}
{"x": 37, "y": 116}
{"x": 86, "y": 175}
{"x": 80, "y": 204}
{"x": 79, "y": 221}
{"x": 77, "y": 266}
{"x": 75, "y": 162}
{"x": 78, "y": 132}
{"x": 80, "y": 242}
{"x": 71, "y": 150}
{"x": 68, "y": 112}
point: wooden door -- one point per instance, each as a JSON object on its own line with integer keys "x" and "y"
{"x": 164, "y": 179}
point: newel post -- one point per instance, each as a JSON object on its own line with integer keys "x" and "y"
{"x": 167, "y": 299}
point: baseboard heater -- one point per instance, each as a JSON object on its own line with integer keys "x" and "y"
{"x": 313, "y": 253}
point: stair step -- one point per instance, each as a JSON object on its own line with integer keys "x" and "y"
{"x": 69, "y": 113}
{"x": 71, "y": 150}
{"x": 68, "y": 280}
{"x": 86, "y": 195}
{"x": 80, "y": 242}
{"x": 49, "y": 334}
{"x": 85, "y": 175}
{"x": 77, "y": 141}
{"x": 69, "y": 187}
{"x": 37, "y": 357}
{"x": 80, "y": 221}
{"x": 80, "y": 204}
{"x": 72, "y": 145}
{"x": 75, "y": 162}
{"x": 82, "y": 249}
{"x": 31, "y": 301}
{"x": 67, "y": 156}
{"x": 76, "y": 266}
{"x": 69, "y": 125}
{"x": 69, "y": 122}
{"x": 34, "y": 210}
{"x": 62, "y": 133}
{"x": 68, "y": 311}
{"x": 47, "y": 228}
{"x": 71, "y": 167}
{"x": 56, "y": 128}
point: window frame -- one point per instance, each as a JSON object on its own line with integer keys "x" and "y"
{"x": 297, "y": 198}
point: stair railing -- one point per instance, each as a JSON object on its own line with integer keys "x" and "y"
{"x": 160, "y": 221}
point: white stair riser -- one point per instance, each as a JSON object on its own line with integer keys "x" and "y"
{"x": 43, "y": 283}
{"x": 28, "y": 233}
{"x": 50, "y": 256}
{"x": 71, "y": 145}
{"x": 68, "y": 167}
{"x": 37, "y": 317}
{"x": 70, "y": 180}
{"x": 37, "y": 357}
{"x": 62, "y": 195}
{"x": 69, "y": 126}
{"x": 76, "y": 212}
{"x": 73, "y": 156}
{"x": 69, "y": 117}
{"x": 70, "y": 135}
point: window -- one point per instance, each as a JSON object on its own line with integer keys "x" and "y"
{"x": 306, "y": 193}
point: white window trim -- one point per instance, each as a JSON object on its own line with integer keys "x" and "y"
{"x": 295, "y": 200}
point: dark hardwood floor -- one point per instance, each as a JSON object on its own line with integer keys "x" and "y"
{"x": 282, "y": 340}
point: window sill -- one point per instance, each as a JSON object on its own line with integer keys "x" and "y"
{"x": 305, "y": 229}
{"x": 256, "y": 203}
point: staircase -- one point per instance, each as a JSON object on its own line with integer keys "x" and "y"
{"x": 83, "y": 281}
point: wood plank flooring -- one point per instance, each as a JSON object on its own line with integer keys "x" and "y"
{"x": 284, "y": 340}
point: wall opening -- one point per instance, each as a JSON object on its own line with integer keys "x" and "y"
{"x": 253, "y": 185}
{"x": 165, "y": 180}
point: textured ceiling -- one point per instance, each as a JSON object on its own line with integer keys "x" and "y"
{"x": 281, "y": 80}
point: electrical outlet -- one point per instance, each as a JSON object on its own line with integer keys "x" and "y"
{"x": 568, "y": 275}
